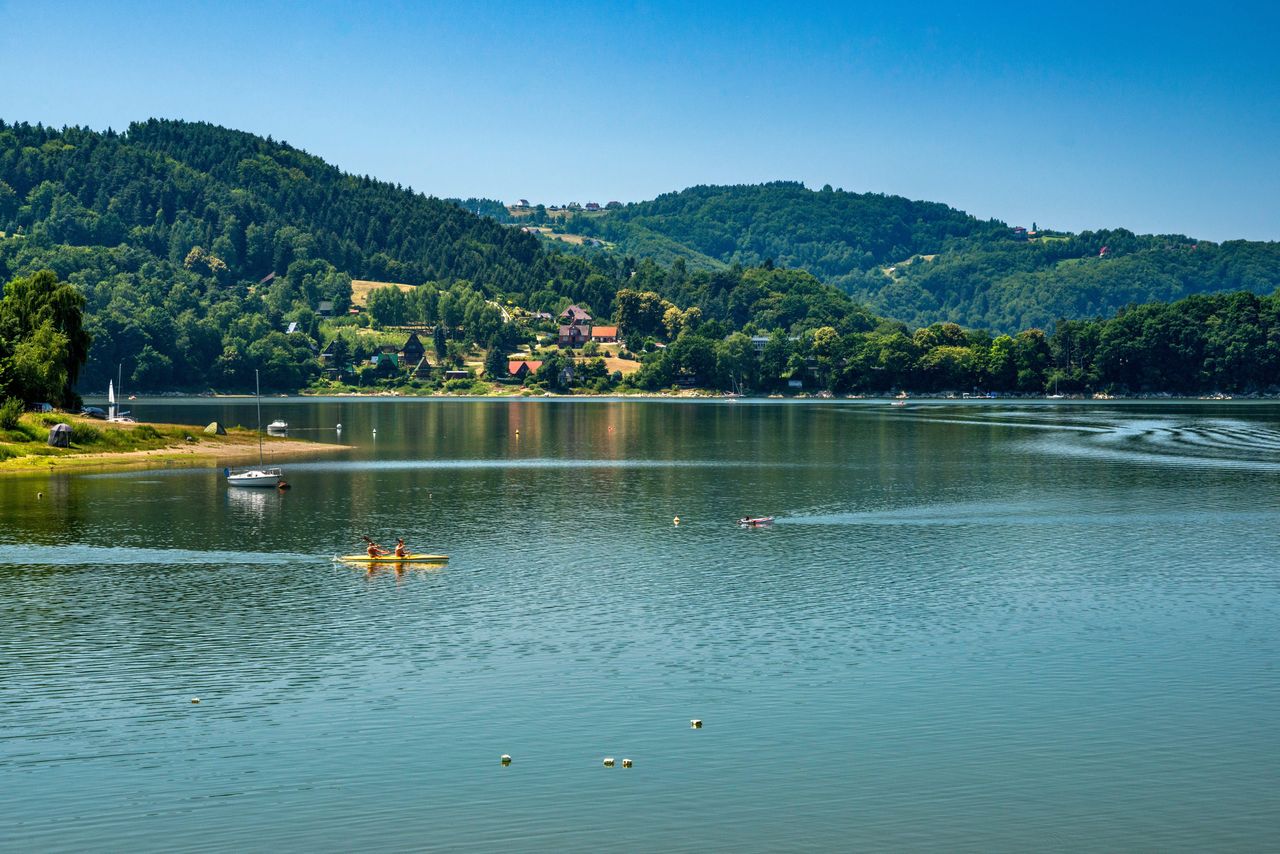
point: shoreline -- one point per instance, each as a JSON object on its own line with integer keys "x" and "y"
{"x": 234, "y": 448}
{"x": 702, "y": 394}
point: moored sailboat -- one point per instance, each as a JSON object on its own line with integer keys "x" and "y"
{"x": 260, "y": 475}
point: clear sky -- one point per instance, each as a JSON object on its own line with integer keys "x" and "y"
{"x": 1159, "y": 117}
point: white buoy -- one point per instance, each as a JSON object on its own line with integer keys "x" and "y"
{"x": 608, "y": 762}
{"x": 696, "y": 723}
{"x": 39, "y": 496}
{"x": 339, "y": 426}
{"x": 675, "y": 521}
{"x": 626, "y": 763}
{"x": 506, "y": 759}
{"x": 195, "y": 701}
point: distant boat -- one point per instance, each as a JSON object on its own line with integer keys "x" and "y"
{"x": 261, "y": 475}
{"x": 755, "y": 521}
{"x": 114, "y": 414}
{"x": 278, "y": 426}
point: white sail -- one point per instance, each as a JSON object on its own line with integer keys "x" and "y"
{"x": 111, "y": 392}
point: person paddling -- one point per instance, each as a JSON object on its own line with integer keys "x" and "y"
{"x": 374, "y": 549}
{"x": 400, "y": 551}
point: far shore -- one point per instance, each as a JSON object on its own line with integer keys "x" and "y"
{"x": 520, "y": 393}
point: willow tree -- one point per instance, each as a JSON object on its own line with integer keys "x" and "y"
{"x": 43, "y": 343}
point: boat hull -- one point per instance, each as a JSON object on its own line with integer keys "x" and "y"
{"x": 266, "y": 477}
{"x": 411, "y": 558}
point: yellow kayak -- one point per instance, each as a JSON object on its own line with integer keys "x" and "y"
{"x": 410, "y": 558}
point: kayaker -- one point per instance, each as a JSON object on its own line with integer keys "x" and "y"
{"x": 374, "y": 549}
{"x": 400, "y": 552}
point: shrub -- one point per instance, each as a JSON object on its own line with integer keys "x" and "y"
{"x": 10, "y": 413}
{"x": 83, "y": 434}
{"x": 462, "y": 386}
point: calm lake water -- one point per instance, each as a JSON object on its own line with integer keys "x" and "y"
{"x": 986, "y": 627}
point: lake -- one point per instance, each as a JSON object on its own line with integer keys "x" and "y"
{"x": 975, "y": 627}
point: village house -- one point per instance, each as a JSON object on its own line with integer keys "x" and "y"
{"x": 593, "y": 206}
{"x": 573, "y": 335}
{"x": 522, "y": 369}
{"x": 575, "y": 316}
{"x": 386, "y": 363}
{"x": 604, "y": 334}
{"x": 457, "y": 375}
{"x": 413, "y": 350}
{"x": 325, "y": 308}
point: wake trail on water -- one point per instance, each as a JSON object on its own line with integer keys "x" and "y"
{"x": 1210, "y": 443}
{"x": 532, "y": 463}
{"x": 84, "y": 555}
{"x": 1003, "y": 516}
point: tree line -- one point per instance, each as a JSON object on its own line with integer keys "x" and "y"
{"x": 195, "y": 249}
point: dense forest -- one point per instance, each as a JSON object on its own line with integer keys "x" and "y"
{"x": 203, "y": 254}
{"x": 1204, "y": 343}
{"x": 923, "y": 262}
{"x": 198, "y": 247}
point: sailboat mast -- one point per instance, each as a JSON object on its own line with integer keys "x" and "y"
{"x": 257, "y": 394}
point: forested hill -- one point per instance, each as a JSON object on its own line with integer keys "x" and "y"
{"x": 923, "y": 262}
{"x": 254, "y": 204}
{"x": 197, "y": 247}
{"x": 205, "y": 254}
{"x": 830, "y": 233}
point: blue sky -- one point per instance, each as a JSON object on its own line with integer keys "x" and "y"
{"x": 1158, "y": 117}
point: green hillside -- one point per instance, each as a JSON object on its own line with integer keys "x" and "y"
{"x": 197, "y": 248}
{"x": 977, "y": 273}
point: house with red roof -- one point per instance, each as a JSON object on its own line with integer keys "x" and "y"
{"x": 522, "y": 369}
{"x": 604, "y": 334}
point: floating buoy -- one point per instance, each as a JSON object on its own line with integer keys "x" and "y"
{"x": 39, "y": 496}
{"x": 517, "y": 434}
{"x": 675, "y": 521}
{"x": 695, "y": 723}
{"x": 608, "y": 762}
{"x": 506, "y": 759}
{"x": 375, "y": 431}
{"x": 195, "y": 701}
{"x": 626, "y": 763}
{"x": 339, "y": 426}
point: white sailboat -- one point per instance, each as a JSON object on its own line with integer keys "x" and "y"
{"x": 112, "y": 413}
{"x": 260, "y": 475}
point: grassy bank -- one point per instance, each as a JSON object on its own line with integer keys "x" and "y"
{"x": 99, "y": 443}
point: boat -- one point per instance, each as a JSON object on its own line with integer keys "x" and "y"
{"x": 278, "y": 426}
{"x": 409, "y": 558}
{"x": 260, "y": 475}
{"x": 755, "y": 521}
{"x": 114, "y": 414}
